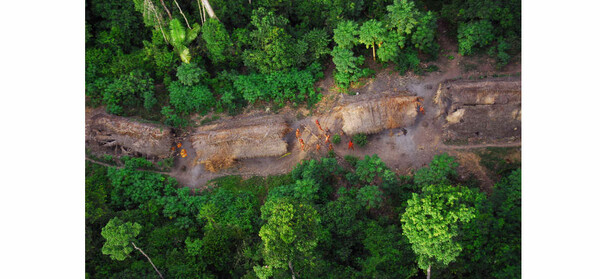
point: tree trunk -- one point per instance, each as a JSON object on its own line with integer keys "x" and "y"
{"x": 160, "y": 275}
{"x": 292, "y": 269}
{"x": 209, "y": 9}
{"x": 168, "y": 13}
{"x": 373, "y": 51}
{"x": 429, "y": 272}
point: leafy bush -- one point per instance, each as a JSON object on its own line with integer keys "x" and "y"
{"x": 360, "y": 139}
{"x": 474, "y": 34}
{"x": 128, "y": 92}
{"x": 296, "y": 86}
{"x": 217, "y": 40}
{"x": 172, "y": 118}
{"x": 336, "y": 139}
{"x": 352, "y": 160}
{"x": 190, "y": 99}
{"x": 441, "y": 169}
{"x": 190, "y": 74}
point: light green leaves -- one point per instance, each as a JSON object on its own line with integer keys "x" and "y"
{"x": 118, "y": 237}
{"x": 403, "y": 16}
{"x": 433, "y": 220}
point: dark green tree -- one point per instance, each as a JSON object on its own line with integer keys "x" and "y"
{"x": 217, "y": 40}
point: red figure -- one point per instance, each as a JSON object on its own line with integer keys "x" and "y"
{"x": 351, "y": 145}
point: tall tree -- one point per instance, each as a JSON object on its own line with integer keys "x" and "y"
{"x": 290, "y": 235}
{"x": 217, "y": 41}
{"x": 372, "y": 33}
{"x": 434, "y": 219}
{"x": 118, "y": 236}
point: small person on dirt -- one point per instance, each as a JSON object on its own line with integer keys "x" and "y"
{"x": 330, "y": 147}
{"x": 422, "y": 110}
{"x": 318, "y": 147}
{"x": 172, "y": 148}
{"x": 301, "y": 144}
{"x": 327, "y": 136}
{"x": 183, "y": 153}
{"x": 179, "y": 145}
{"x": 350, "y": 145}
{"x": 298, "y": 133}
{"x": 319, "y": 125}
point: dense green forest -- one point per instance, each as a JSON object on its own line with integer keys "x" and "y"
{"x": 164, "y": 60}
{"x": 321, "y": 220}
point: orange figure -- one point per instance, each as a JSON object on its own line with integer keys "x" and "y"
{"x": 301, "y": 141}
{"x": 173, "y": 148}
{"x": 318, "y": 147}
{"x": 422, "y": 110}
{"x": 318, "y": 125}
{"x": 330, "y": 147}
{"x": 301, "y": 144}
{"x": 298, "y": 133}
{"x": 183, "y": 153}
{"x": 351, "y": 145}
{"x": 327, "y": 136}
{"x": 179, "y": 145}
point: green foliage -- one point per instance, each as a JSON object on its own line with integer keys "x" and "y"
{"x": 440, "y": 171}
{"x": 346, "y": 34}
{"x": 272, "y": 45}
{"x": 347, "y": 65}
{"x": 131, "y": 188}
{"x": 295, "y": 85}
{"x": 119, "y": 236}
{"x": 217, "y": 40}
{"x": 336, "y": 139}
{"x": 474, "y": 34}
{"x": 403, "y": 16}
{"x": 370, "y": 196}
{"x": 290, "y": 234}
{"x": 372, "y": 33}
{"x": 317, "y": 41}
{"x": 172, "y": 118}
{"x": 128, "y": 92}
{"x": 189, "y": 74}
{"x": 389, "y": 253}
{"x": 423, "y": 37}
{"x": 190, "y": 99}
{"x": 360, "y": 139}
{"x": 180, "y": 37}
{"x": 352, "y": 160}
{"x": 440, "y": 211}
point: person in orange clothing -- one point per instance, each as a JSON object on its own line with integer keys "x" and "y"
{"x": 327, "y": 136}
{"x": 351, "y": 145}
{"x": 301, "y": 144}
{"x": 330, "y": 147}
{"x": 298, "y": 133}
{"x": 179, "y": 145}
{"x": 183, "y": 153}
{"x": 318, "y": 147}
{"x": 422, "y": 110}
{"x": 319, "y": 125}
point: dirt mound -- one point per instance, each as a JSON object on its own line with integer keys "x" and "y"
{"x": 481, "y": 111}
{"x": 376, "y": 115}
{"x": 219, "y": 144}
{"x": 150, "y": 140}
